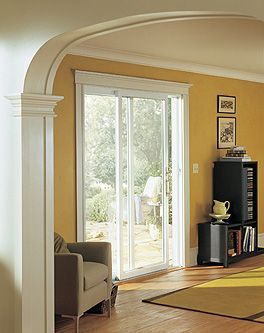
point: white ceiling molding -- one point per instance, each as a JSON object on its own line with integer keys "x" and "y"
{"x": 139, "y": 59}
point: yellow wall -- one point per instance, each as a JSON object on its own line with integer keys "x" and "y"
{"x": 203, "y": 117}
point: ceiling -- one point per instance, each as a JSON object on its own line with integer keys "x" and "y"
{"x": 216, "y": 44}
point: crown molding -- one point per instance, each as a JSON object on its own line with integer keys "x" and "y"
{"x": 34, "y": 105}
{"x": 139, "y": 59}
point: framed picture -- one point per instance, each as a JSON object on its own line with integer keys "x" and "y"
{"x": 226, "y": 132}
{"x": 226, "y": 104}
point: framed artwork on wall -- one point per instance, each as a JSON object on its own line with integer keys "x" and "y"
{"x": 226, "y": 104}
{"x": 226, "y": 132}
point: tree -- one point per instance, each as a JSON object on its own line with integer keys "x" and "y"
{"x": 100, "y": 140}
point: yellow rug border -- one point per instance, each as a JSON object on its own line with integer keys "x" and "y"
{"x": 153, "y": 299}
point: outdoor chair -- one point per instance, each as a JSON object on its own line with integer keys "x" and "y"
{"x": 149, "y": 199}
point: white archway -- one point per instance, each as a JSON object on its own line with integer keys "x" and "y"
{"x": 35, "y": 109}
{"x": 44, "y": 65}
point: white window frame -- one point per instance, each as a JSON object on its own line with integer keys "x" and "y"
{"x": 108, "y": 83}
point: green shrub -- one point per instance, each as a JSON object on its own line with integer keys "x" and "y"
{"x": 91, "y": 191}
{"x": 98, "y": 206}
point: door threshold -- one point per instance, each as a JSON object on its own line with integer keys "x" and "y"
{"x": 147, "y": 276}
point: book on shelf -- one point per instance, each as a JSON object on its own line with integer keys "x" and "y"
{"x": 236, "y": 153}
{"x": 252, "y": 244}
{"x": 245, "y": 242}
{"x": 237, "y": 148}
{"x": 233, "y": 158}
{"x": 234, "y": 242}
{"x": 250, "y": 193}
{"x": 231, "y": 248}
{"x": 240, "y": 154}
{"x": 231, "y": 252}
{"x": 249, "y": 239}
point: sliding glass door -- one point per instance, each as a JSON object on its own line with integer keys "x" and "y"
{"x": 143, "y": 235}
{"x": 125, "y": 178}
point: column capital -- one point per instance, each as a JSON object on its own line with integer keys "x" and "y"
{"x": 34, "y": 105}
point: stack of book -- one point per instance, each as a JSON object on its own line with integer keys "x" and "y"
{"x": 249, "y": 239}
{"x": 250, "y": 194}
{"x": 234, "y": 242}
{"x": 237, "y": 153}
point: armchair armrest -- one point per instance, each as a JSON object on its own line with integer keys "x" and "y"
{"x": 68, "y": 283}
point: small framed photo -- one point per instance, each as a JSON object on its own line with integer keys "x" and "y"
{"x": 226, "y": 132}
{"x": 226, "y": 104}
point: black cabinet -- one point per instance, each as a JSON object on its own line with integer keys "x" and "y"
{"x": 237, "y": 182}
{"x": 226, "y": 243}
{"x": 212, "y": 243}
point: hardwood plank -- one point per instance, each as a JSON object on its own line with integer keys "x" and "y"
{"x": 132, "y": 315}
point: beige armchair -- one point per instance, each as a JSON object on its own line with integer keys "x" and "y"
{"x": 83, "y": 278}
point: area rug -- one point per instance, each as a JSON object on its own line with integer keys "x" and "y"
{"x": 239, "y": 295}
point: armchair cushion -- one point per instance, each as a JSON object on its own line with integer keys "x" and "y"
{"x": 94, "y": 273}
{"x": 60, "y": 246}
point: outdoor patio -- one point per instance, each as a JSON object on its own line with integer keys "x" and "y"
{"x": 148, "y": 245}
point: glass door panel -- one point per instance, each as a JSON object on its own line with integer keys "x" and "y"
{"x": 125, "y": 165}
{"x": 99, "y": 174}
{"x": 124, "y": 233}
{"x": 144, "y": 236}
{"x": 147, "y": 164}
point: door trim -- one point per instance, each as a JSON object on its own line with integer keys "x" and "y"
{"x": 131, "y": 83}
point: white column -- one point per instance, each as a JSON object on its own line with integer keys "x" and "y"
{"x": 34, "y": 240}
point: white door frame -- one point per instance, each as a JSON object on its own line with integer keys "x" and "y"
{"x": 97, "y": 82}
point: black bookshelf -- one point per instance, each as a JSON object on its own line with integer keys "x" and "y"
{"x": 236, "y": 182}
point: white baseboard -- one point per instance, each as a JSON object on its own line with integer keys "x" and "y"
{"x": 261, "y": 240}
{"x": 193, "y": 256}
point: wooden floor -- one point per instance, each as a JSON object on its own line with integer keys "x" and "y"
{"x": 131, "y": 315}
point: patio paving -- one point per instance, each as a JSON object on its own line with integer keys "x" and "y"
{"x": 148, "y": 250}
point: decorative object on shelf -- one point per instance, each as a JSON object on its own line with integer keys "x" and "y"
{"x": 226, "y": 132}
{"x": 226, "y": 104}
{"x": 236, "y": 153}
{"x": 220, "y": 211}
{"x": 220, "y": 208}
{"x": 220, "y": 218}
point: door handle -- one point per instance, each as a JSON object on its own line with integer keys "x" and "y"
{"x": 167, "y": 182}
